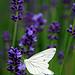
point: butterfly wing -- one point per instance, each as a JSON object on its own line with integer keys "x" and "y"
{"x": 31, "y": 67}
{"x": 38, "y": 63}
{"x": 38, "y": 68}
{"x": 44, "y": 56}
{"x": 43, "y": 74}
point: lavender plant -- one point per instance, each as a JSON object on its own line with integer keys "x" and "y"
{"x": 57, "y": 31}
{"x": 28, "y": 40}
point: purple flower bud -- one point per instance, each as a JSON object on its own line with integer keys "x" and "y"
{"x": 70, "y": 26}
{"x": 60, "y": 55}
{"x": 13, "y": 7}
{"x": 14, "y": 18}
{"x": 18, "y": 54}
{"x": 35, "y": 17}
{"x": 41, "y": 21}
{"x": 20, "y": 7}
{"x": 20, "y": 16}
{"x": 69, "y": 30}
{"x": 30, "y": 32}
{"x": 22, "y": 66}
{"x": 28, "y": 19}
{"x": 38, "y": 18}
{"x": 31, "y": 48}
{"x": 35, "y": 39}
{"x": 10, "y": 62}
{"x": 10, "y": 68}
{"x": 20, "y": 1}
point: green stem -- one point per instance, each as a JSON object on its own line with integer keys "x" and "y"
{"x": 67, "y": 50}
{"x": 66, "y": 55}
{"x": 14, "y": 34}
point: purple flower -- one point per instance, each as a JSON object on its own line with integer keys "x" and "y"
{"x": 54, "y": 27}
{"x": 17, "y": 9}
{"x": 30, "y": 32}
{"x": 6, "y": 36}
{"x": 52, "y": 37}
{"x": 38, "y": 19}
{"x": 34, "y": 19}
{"x": 28, "y": 19}
{"x": 31, "y": 48}
{"x": 69, "y": 29}
{"x": 10, "y": 68}
{"x": 10, "y": 61}
{"x": 73, "y": 7}
{"x": 14, "y": 63}
{"x": 20, "y": 1}
{"x": 29, "y": 37}
{"x": 22, "y": 66}
{"x": 60, "y": 55}
{"x": 15, "y": 18}
{"x": 66, "y": 1}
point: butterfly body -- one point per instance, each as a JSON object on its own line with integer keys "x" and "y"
{"x": 38, "y": 63}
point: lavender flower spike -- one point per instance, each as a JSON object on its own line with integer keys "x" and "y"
{"x": 6, "y": 37}
{"x": 15, "y": 64}
{"x": 54, "y": 27}
{"x": 60, "y": 57}
{"x": 34, "y": 23}
{"x": 17, "y": 9}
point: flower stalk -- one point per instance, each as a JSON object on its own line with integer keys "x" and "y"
{"x": 14, "y": 33}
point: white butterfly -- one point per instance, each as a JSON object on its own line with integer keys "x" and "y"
{"x": 38, "y": 63}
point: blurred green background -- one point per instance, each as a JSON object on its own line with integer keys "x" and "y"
{"x": 56, "y": 10}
